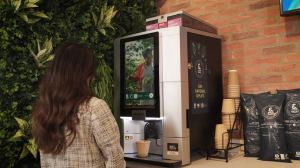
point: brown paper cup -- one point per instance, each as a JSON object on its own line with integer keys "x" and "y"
{"x": 228, "y": 106}
{"x": 233, "y": 78}
{"x": 142, "y": 148}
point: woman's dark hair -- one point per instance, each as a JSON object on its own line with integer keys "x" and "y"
{"x": 65, "y": 86}
{"x": 147, "y": 52}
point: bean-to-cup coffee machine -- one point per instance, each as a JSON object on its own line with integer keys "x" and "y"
{"x": 178, "y": 107}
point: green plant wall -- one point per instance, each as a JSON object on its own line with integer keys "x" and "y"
{"x": 69, "y": 20}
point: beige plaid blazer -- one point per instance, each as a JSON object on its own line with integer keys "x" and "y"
{"x": 97, "y": 143}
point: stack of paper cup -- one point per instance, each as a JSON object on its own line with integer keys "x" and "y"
{"x": 234, "y": 89}
{"x": 228, "y": 113}
{"x": 221, "y": 136}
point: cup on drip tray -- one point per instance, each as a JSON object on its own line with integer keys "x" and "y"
{"x": 142, "y": 148}
{"x": 221, "y": 136}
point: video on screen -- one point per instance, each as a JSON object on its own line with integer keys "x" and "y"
{"x": 288, "y": 5}
{"x": 139, "y": 73}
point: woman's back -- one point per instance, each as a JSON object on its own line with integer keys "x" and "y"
{"x": 97, "y": 131}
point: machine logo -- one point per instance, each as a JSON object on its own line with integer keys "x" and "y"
{"x": 172, "y": 149}
{"x": 199, "y": 68}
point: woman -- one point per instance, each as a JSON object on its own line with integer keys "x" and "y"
{"x": 72, "y": 127}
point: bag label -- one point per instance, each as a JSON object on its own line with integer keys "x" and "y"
{"x": 270, "y": 111}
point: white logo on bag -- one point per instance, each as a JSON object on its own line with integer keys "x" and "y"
{"x": 199, "y": 68}
{"x": 270, "y": 111}
{"x": 292, "y": 108}
{"x": 297, "y": 154}
{"x": 277, "y": 157}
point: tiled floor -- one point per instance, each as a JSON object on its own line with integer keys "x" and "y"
{"x": 236, "y": 162}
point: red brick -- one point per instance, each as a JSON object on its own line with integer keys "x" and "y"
{"x": 230, "y": 29}
{"x": 292, "y": 58}
{"x": 193, "y": 11}
{"x": 232, "y": 11}
{"x": 162, "y": 11}
{"x": 250, "y": 71}
{"x": 245, "y": 53}
{"x": 292, "y": 77}
{"x": 224, "y": 38}
{"x": 207, "y": 16}
{"x": 180, "y": 7}
{"x": 291, "y": 37}
{"x": 234, "y": 63}
{"x": 286, "y": 86}
{"x": 201, "y": 2}
{"x": 251, "y": 89}
{"x": 266, "y": 60}
{"x": 281, "y": 68}
{"x": 280, "y": 49}
{"x": 167, "y": 3}
{"x": 278, "y": 29}
{"x": 266, "y": 79}
{"x": 244, "y": 17}
{"x": 233, "y": 2}
{"x": 263, "y": 4}
{"x": 263, "y": 41}
{"x": 225, "y": 56}
{"x": 243, "y": 80}
{"x": 232, "y": 46}
{"x": 245, "y": 35}
{"x": 289, "y": 19}
{"x": 219, "y": 22}
{"x": 270, "y": 12}
{"x": 214, "y": 6}
{"x": 262, "y": 23}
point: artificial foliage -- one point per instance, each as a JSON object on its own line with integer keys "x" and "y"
{"x": 20, "y": 73}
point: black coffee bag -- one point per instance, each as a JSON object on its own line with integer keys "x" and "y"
{"x": 272, "y": 132}
{"x": 289, "y": 91}
{"x": 292, "y": 124}
{"x": 251, "y": 125}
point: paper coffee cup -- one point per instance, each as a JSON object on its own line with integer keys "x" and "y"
{"x": 233, "y": 78}
{"x": 142, "y": 148}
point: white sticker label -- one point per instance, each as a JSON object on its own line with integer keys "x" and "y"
{"x": 172, "y": 153}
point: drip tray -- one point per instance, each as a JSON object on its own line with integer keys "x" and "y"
{"x": 152, "y": 160}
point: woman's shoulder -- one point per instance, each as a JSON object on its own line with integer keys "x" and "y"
{"x": 94, "y": 101}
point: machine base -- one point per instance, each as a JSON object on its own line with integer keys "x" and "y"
{"x": 152, "y": 160}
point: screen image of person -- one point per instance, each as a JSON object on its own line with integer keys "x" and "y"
{"x": 145, "y": 76}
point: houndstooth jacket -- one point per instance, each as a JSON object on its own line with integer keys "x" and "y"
{"x": 97, "y": 143}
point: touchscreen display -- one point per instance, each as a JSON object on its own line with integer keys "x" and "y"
{"x": 139, "y": 73}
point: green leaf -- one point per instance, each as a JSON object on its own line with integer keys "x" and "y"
{"x": 33, "y": 1}
{"x": 32, "y": 147}
{"x": 18, "y": 136}
{"x": 23, "y": 16}
{"x": 39, "y": 14}
{"x": 30, "y": 5}
{"x": 95, "y": 18}
{"x": 24, "y": 153}
{"x": 22, "y": 123}
{"x": 102, "y": 31}
{"x": 17, "y": 5}
{"x": 33, "y": 20}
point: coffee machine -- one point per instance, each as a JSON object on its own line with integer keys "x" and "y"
{"x": 187, "y": 98}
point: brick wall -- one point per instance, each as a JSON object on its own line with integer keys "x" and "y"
{"x": 260, "y": 44}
